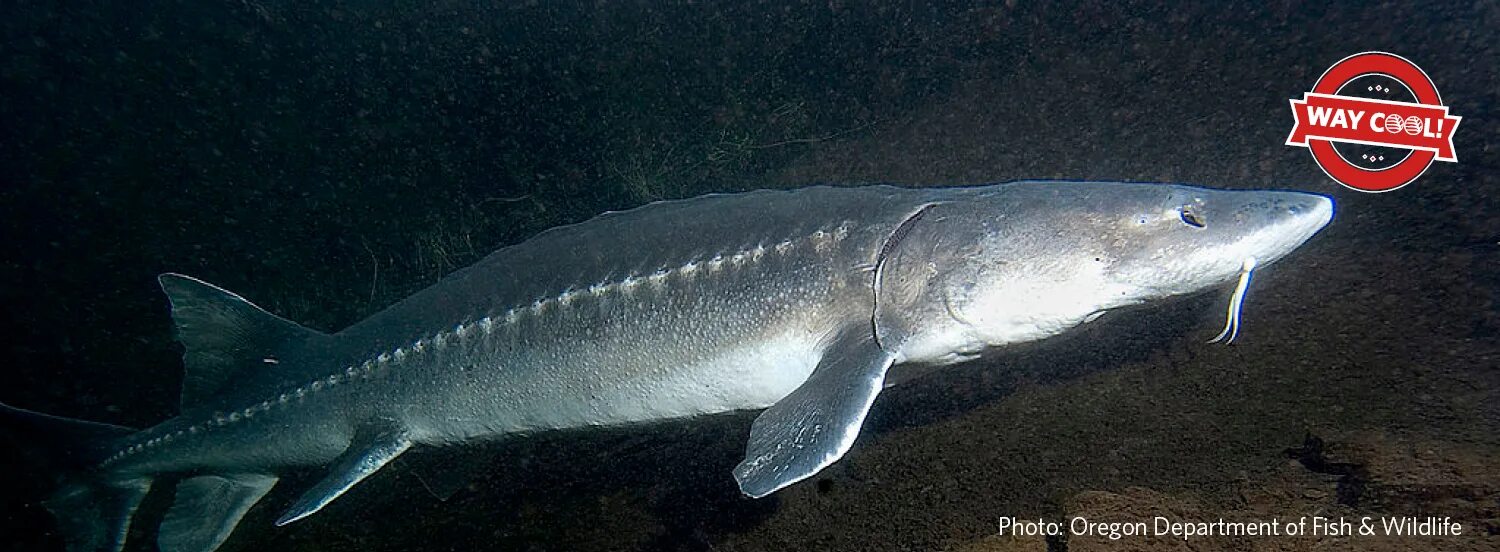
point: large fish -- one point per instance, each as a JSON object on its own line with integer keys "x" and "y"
{"x": 797, "y": 302}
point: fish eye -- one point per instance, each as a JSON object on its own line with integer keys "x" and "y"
{"x": 1190, "y": 218}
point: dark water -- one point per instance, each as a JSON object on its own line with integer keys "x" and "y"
{"x": 325, "y": 159}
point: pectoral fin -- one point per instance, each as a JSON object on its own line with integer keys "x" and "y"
{"x": 364, "y": 457}
{"x": 816, "y": 424}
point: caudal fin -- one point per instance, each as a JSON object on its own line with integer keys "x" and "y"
{"x": 94, "y": 516}
{"x": 92, "y": 512}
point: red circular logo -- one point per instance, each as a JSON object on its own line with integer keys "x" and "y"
{"x": 1381, "y": 106}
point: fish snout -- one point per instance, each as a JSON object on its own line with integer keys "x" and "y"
{"x": 1276, "y": 223}
{"x": 1305, "y": 214}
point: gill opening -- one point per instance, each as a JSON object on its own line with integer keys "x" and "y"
{"x": 1236, "y": 303}
{"x": 886, "y": 248}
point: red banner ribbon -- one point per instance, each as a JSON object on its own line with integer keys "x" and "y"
{"x": 1374, "y": 122}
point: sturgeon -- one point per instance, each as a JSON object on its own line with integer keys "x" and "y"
{"x": 797, "y": 302}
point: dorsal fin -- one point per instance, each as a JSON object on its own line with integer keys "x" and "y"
{"x": 223, "y": 335}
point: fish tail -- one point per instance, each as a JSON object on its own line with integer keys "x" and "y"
{"x": 93, "y": 510}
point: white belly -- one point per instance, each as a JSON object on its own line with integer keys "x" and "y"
{"x": 754, "y": 376}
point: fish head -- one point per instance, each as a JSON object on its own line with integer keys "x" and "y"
{"x": 1023, "y": 261}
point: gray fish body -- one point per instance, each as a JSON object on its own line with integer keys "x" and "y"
{"x": 677, "y": 309}
{"x": 798, "y": 302}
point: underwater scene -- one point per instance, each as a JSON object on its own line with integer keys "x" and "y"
{"x": 355, "y": 275}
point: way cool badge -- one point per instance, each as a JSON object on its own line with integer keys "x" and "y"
{"x": 1374, "y": 122}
